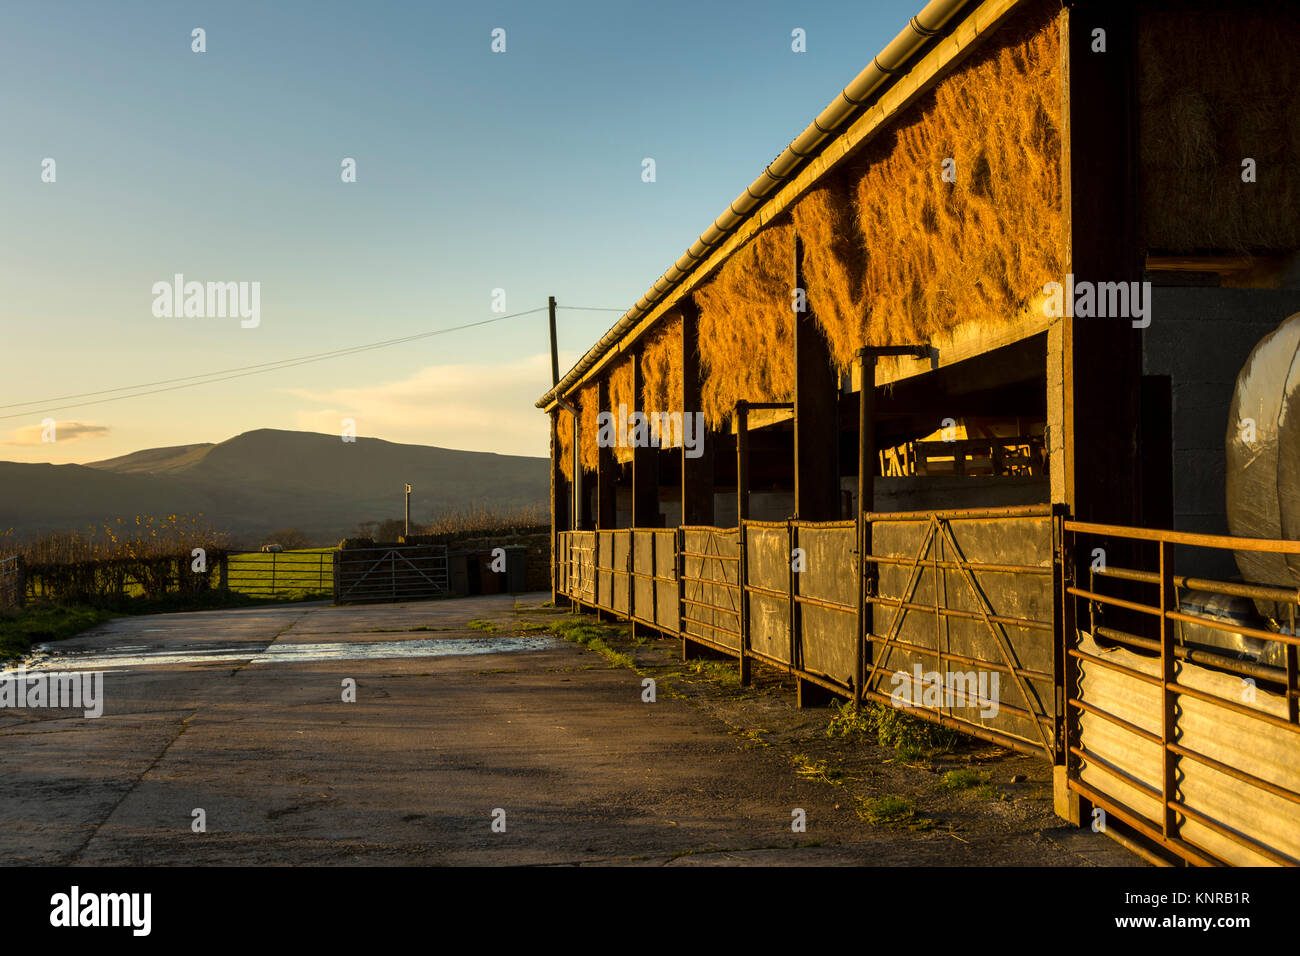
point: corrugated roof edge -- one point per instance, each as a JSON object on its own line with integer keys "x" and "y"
{"x": 927, "y": 24}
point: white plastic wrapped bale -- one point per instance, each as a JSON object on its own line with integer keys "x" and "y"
{"x": 1263, "y": 459}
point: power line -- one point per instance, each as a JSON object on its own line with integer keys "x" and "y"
{"x": 208, "y": 378}
{"x": 587, "y": 308}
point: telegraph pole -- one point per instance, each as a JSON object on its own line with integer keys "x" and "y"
{"x": 408, "y": 509}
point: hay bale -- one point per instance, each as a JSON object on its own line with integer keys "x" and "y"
{"x": 1214, "y": 89}
{"x": 661, "y": 366}
{"x": 564, "y": 442}
{"x": 746, "y": 330}
{"x": 834, "y": 263}
{"x": 621, "y": 380}
{"x": 588, "y": 402}
{"x": 940, "y": 254}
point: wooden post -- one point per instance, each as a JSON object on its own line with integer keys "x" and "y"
{"x": 645, "y": 460}
{"x": 742, "y": 460}
{"x": 867, "y": 460}
{"x": 559, "y": 507}
{"x": 697, "y": 472}
{"x": 866, "y": 503}
{"x": 1102, "y": 357}
{"x": 606, "y": 472}
{"x": 816, "y": 407}
{"x": 742, "y": 576}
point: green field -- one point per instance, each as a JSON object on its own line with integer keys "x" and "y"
{"x": 289, "y": 574}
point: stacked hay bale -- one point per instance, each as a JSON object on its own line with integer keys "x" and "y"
{"x": 979, "y": 249}
{"x": 1213, "y": 90}
{"x": 620, "y": 393}
{"x": 746, "y": 332}
{"x": 661, "y": 364}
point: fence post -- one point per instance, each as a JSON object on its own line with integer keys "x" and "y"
{"x": 860, "y": 651}
{"x": 790, "y": 593}
{"x": 742, "y": 578}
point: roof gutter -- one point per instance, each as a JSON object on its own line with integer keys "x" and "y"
{"x": 929, "y": 22}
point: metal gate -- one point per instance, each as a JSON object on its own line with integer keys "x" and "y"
{"x": 963, "y": 620}
{"x": 394, "y": 573}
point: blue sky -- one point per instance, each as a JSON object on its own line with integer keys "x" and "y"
{"x": 475, "y": 171}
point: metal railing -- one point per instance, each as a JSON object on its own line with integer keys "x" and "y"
{"x": 1243, "y": 752}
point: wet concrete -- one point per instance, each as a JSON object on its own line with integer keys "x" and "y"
{"x": 241, "y": 713}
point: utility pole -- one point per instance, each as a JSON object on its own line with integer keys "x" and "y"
{"x": 555, "y": 352}
{"x": 408, "y": 509}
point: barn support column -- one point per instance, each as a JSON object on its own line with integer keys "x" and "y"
{"x": 697, "y": 467}
{"x": 816, "y": 407}
{"x": 742, "y": 514}
{"x": 606, "y": 473}
{"x": 645, "y": 486}
{"x": 645, "y": 461}
{"x": 868, "y": 456}
{"x": 697, "y": 471}
{"x": 816, "y": 435}
{"x": 606, "y": 512}
{"x": 1099, "y": 359}
{"x": 559, "y": 506}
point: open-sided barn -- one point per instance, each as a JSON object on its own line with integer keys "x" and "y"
{"x": 965, "y": 357}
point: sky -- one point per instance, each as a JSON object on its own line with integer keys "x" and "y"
{"x": 475, "y": 171}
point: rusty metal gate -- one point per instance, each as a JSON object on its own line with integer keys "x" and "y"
{"x": 394, "y": 573}
{"x": 710, "y": 587}
{"x": 962, "y": 621}
{"x": 655, "y": 587}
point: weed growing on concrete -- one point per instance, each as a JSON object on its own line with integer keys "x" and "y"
{"x": 891, "y": 810}
{"x": 909, "y": 736}
{"x": 963, "y": 778}
{"x": 592, "y": 636}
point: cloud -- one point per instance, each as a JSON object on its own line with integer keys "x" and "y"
{"x": 62, "y": 432}
{"x": 470, "y": 406}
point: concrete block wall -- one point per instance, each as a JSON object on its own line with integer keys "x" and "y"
{"x": 1201, "y": 338}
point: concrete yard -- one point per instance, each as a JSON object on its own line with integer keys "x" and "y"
{"x": 240, "y": 713}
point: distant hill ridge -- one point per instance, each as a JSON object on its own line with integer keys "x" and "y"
{"x": 268, "y": 479}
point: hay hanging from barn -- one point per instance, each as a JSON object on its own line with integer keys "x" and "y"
{"x": 589, "y": 405}
{"x": 661, "y": 367}
{"x": 620, "y": 393}
{"x": 586, "y": 401}
{"x": 746, "y": 330}
{"x": 1215, "y": 89}
{"x": 834, "y": 264}
{"x": 938, "y": 254}
{"x": 564, "y": 442}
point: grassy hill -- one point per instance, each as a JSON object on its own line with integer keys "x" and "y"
{"x": 268, "y": 479}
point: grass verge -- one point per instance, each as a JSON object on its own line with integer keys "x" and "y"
{"x": 19, "y": 630}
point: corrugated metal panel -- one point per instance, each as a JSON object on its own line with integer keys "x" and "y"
{"x": 712, "y": 588}
{"x": 829, "y": 635}
{"x": 768, "y": 564}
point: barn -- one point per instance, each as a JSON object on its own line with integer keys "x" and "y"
{"x": 938, "y": 404}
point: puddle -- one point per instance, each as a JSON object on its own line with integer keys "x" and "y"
{"x": 289, "y": 653}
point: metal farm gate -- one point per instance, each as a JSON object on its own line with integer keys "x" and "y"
{"x": 963, "y": 611}
{"x": 391, "y": 573}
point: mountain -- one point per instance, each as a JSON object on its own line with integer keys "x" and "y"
{"x": 267, "y": 479}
